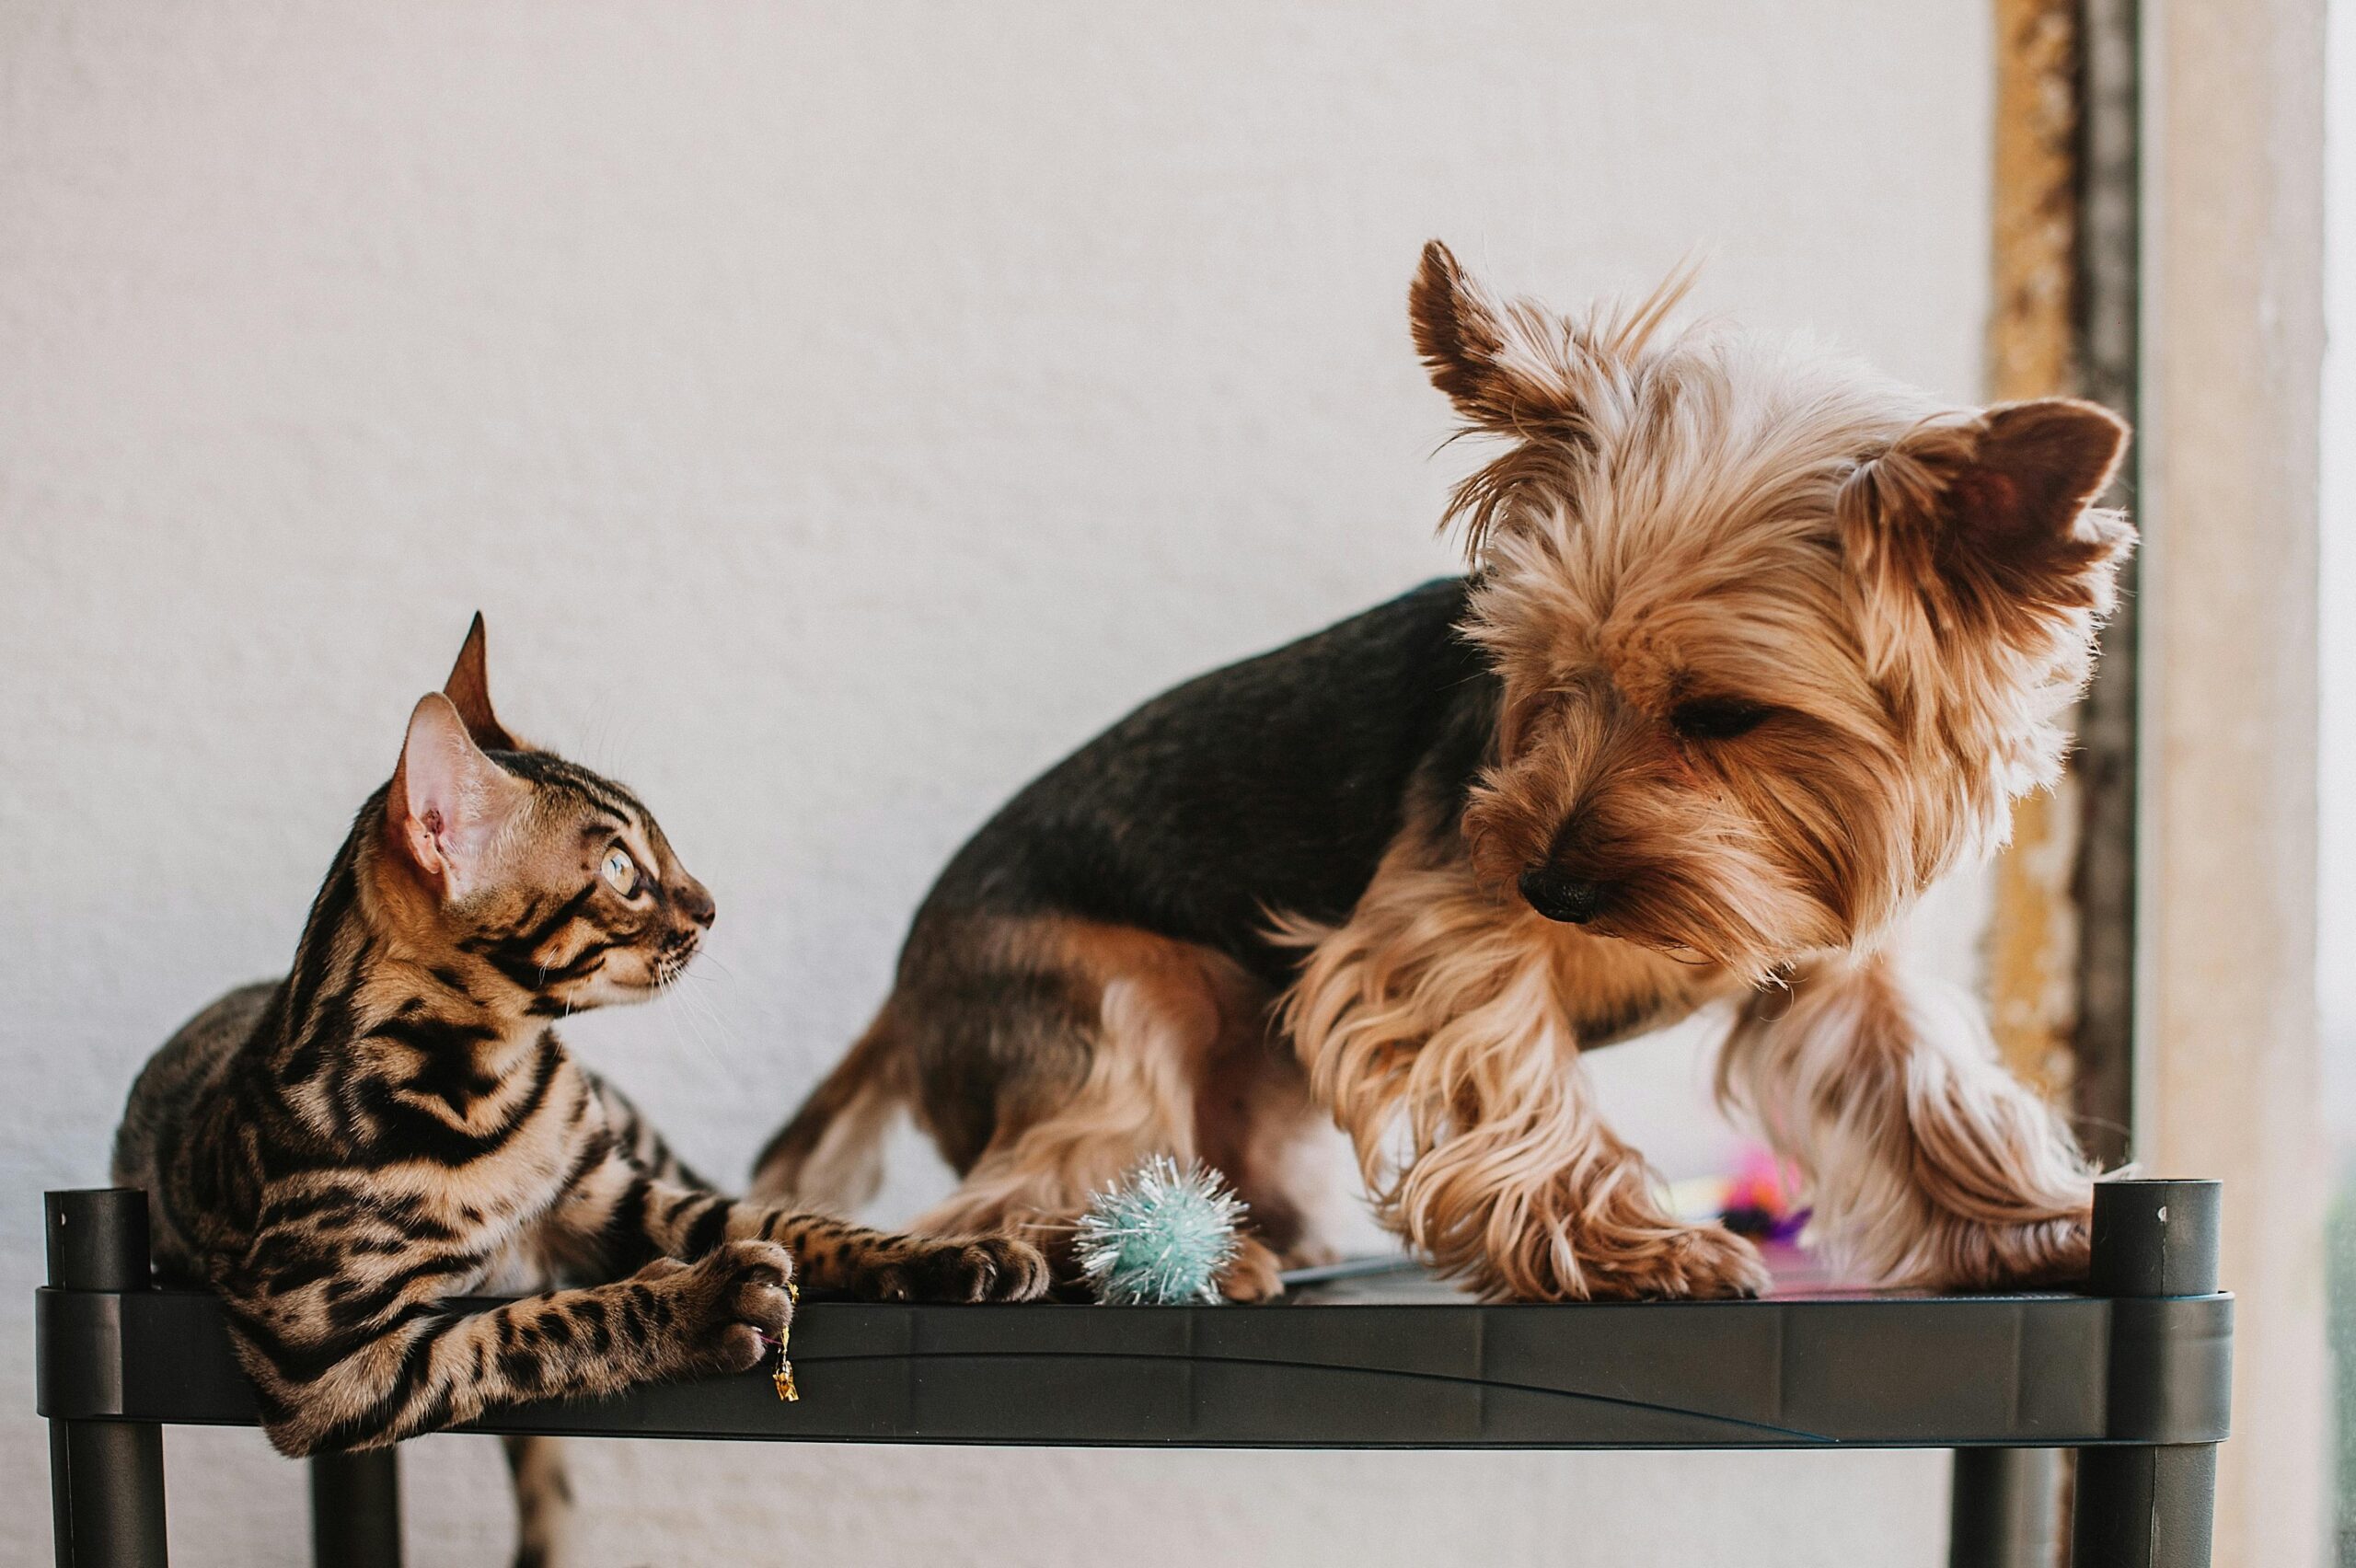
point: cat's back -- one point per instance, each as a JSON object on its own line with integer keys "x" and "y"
{"x": 179, "y": 1082}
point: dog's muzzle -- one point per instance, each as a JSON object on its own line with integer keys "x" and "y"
{"x": 1559, "y": 895}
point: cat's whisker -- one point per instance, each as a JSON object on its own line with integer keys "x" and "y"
{"x": 673, "y": 1016}
{"x": 667, "y": 987}
{"x": 698, "y": 1004}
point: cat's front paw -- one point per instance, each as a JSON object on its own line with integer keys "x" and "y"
{"x": 730, "y": 1306}
{"x": 977, "y": 1268}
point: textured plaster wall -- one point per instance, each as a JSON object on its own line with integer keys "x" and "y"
{"x": 838, "y": 411}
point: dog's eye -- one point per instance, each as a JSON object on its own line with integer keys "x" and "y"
{"x": 1716, "y": 718}
{"x": 620, "y": 872}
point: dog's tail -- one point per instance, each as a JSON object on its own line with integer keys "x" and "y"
{"x": 830, "y": 1156}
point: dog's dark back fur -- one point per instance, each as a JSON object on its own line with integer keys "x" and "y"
{"x": 1275, "y": 784}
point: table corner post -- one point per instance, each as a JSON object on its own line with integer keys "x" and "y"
{"x": 2150, "y": 1504}
{"x": 356, "y": 1509}
{"x": 105, "y": 1477}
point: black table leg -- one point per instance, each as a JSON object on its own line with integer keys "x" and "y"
{"x": 2146, "y": 1507}
{"x": 2003, "y": 1511}
{"x": 356, "y": 1509}
{"x": 106, "y": 1478}
{"x": 2150, "y": 1506}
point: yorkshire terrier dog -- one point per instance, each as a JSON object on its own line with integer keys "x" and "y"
{"x": 1755, "y": 646}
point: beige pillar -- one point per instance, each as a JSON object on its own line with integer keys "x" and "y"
{"x": 2227, "y": 1070}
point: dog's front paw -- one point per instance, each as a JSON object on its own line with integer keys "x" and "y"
{"x": 728, "y": 1307}
{"x": 1252, "y": 1274}
{"x": 2042, "y": 1254}
{"x": 1696, "y": 1262}
{"x": 978, "y": 1268}
{"x": 1707, "y": 1262}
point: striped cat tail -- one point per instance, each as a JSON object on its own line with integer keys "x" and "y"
{"x": 543, "y": 1501}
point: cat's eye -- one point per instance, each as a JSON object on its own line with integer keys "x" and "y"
{"x": 1716, "y": 718}
{"x": 620, "y": 872}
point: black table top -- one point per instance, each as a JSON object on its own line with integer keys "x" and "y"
{"x": 1385, "y": 1362}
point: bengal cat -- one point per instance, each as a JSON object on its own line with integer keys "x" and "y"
{"x": 394, "y": 1123}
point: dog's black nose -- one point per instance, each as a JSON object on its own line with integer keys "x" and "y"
{"x": 1559, "y": 895}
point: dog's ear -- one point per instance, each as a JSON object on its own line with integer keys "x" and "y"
{"x": 1515, "y": 367}
{"x": 1509, "y": 367}
{"x": 1983, "y": 526}
{"x": 1457, "y": 333}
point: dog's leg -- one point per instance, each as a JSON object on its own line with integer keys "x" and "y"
{"x": 1437, "y": 1007}
{"x": 1928, "y": 1164}
{"x": 1159, "y": 1023}
{"x": 1255, "y": 1122}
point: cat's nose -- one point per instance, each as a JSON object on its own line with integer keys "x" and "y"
{"x": 695, "y": 903}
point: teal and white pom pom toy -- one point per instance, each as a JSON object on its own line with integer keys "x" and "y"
{"x": 1159, "y": 1236}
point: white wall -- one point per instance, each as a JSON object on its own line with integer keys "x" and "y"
{"x": 2336, "y": 626}
{"x": 839, "y": 411}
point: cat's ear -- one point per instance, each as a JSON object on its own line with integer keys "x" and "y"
{"x": 448, "y": 802}
{"x": 469, "y": 689}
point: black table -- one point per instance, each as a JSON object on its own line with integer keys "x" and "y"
{"x": 2135, "y": 1376}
